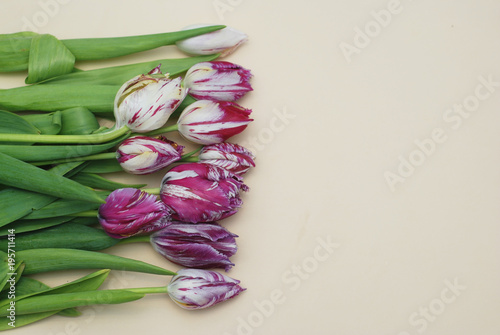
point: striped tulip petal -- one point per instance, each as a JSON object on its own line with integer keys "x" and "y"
{"x": 130, "y": 211}
{"x": 201, "y": 245}
{"x": 198, "y": 192}
{"x": 217, "y": 81}
{"x": 144, "y": 155}
{"x": 196, "y": 289}
{"x": 145, "y": 102}
{"x": 229, "y": 156}
{"x": 208, "y": 122}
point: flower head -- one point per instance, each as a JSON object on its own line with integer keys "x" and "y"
{"x": 232, "y": 157}
{"x": 201, "y": 245}
{"x": 197, "y": 289}
{"x": 143, "y": 155}
{"x": 145, "y": 102}
{"x": 218, "y": 81}
{"x": 197, "y": 192}
{"x": 223, "y": 41}
{"x": 129, "y": 211}
{"x": 208, "y": 122}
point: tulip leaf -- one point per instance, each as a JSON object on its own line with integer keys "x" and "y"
{"x": 103, "y": 166}
{"x": 11, "y": 123}
{"x": 78, "y": 121}
{"x": 16, "y": 203}
{"x": 68, "y": 235}
{"x": 48, "y": 58}
{"x": 54, "y": 259}
{"x": 14, "y": 51}
{"x": 47, "y": 123}
{"x": 23, "y": 226}
{"x": 98, "y": 182}
{"x": 17, "y": 173}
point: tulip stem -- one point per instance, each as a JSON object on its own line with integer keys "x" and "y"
{"x": 86, "y": 214}
{"x": 105, "y": 155}
{"x": 148, "y": 290}
{"x": 186, "y": 157}
{"x": 162, "y": 130}
{"x": 59, "y": 139}
{"x": 134, "y": 239}
{"x": 155, "y": 191}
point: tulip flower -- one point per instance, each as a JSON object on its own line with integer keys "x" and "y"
{"x": 229, "y": 156}
{"x": 130, "y": 211}
{"x": 208, "y": 122}
{"x": 224, "y": 41}
{"x": 198, "y": 192}
{"x": 218, "y": 81}
{"x": 201, "y": 245}
{"x": 144, "y": 155}
{"x": 145, "y": 102}
{"x": 197, "y": 289}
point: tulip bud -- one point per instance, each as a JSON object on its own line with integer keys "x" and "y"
{"x": 232, "y": 157}
{"x": 201, "y": 245}
{"x": 197, "y": 192}
{"x": 217, "y": 81}
{"x": 130, "y": 211}
{"x": 143, "y": 155}
{"x": 208, "y": 122}
{"x": 223, "y": 41}
{"x": 197, "y": 289}
{"x": 145, "y": 102}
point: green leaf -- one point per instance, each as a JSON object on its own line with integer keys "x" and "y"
{"x": 117, "y": 75}
{"x": 68, "y": 235}
{"x": 64, "y": 207}
{"x": 51, "y": 98}
{"x": 47, "y": 123}
{"x": 48, "y": 58}
{"x": 22, "y": 175}
{"x": 23, "y": 226}
{"x": 14, "y": 51}
{"x": 11, "y": 123}
{"x": 52, "y": 259}
{"x": 99, "y": 182}
{"x": 78, "y": 121}
{"x": 103, "y": 166}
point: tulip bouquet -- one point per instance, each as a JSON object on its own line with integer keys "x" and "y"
{"x": 60, "y": 212}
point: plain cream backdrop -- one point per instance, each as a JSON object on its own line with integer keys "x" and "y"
{"x": 346, "y": 95}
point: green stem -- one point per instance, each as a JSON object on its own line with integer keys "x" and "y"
{"x": 134, "y": 239}
{"x": 189, "y": 159}
{"x": 86, "y": 214}
{"x": 160, "y": 131}
{"x": 152, "y": 190}
{"x": 148, "y": 290}
{"x": 184, "y": 158}
{"x": 105, "y": 155}
{"x": 59, "y": 139}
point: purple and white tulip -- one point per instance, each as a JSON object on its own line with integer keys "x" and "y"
{"x": 129, "y": 211}
{"x": 144, "y": 155}
{"x": 145, "y": 102}
{"x": 208, "y": 122}
{"x": 198, "y": 192}
{"x": 201, "y": 245}
{"x": 223, "y": 41}
{"x": 218, "y": 81}
{"x": 197, "y": 289}
{"x": 229, "y": 156}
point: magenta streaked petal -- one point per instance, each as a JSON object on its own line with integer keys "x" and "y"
{"x": 201, "y": 245}
{"x": 130, "y": 211}
{"x": 197, "y": 289}
{"x": 229, "y": 156}
{"x": 198, "y": 192}
{"x": 207, "y": 122}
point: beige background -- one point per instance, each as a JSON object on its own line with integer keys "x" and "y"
{"x": 341, "y": 103}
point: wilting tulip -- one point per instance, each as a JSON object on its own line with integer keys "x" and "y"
{"x": 130, "y": 211}
{"x": 208, "y": 122}
{"x": 217, "y": 81}
{"x": 198, "y": 192}
{"x": 223, "y": 41}
{"x": 232, "y": 157}
{"x": 197, "y": 289}
{"x": 145, "y": 102}
{"x": 201, "y": 245}
{"x": 143, "y": 155}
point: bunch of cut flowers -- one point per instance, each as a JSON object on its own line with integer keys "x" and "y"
{"x": 58, "y": 208}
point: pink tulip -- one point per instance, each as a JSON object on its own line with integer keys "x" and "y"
{"x": 232, "y": 157}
